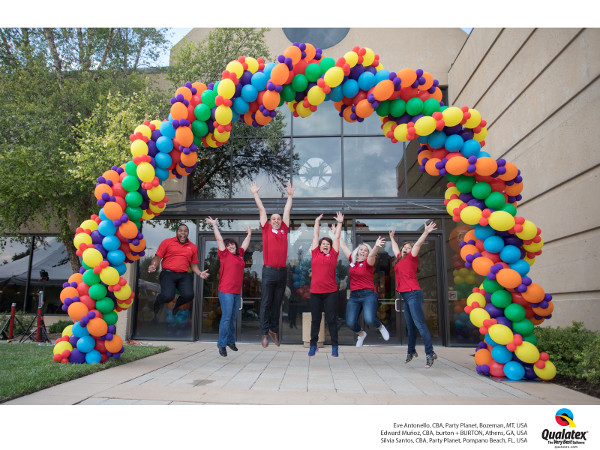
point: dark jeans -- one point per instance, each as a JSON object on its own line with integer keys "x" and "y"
{"x": 365, "y": 300}
{"x": 415, "y": 320}
{"x": 272, "y": 288}
{"x": 169, "y": 281}
{"x": 318, "y": 304}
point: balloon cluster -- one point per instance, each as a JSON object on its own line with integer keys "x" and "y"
{"x": 482, "y": 193}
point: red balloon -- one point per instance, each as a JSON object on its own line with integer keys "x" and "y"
{"x": 496, "y": 369}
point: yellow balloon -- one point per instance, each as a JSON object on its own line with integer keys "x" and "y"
{"x": 222, "y": 137}
{"x": 481, "y": 135}
{"x": 156, "y": 124}
{"x": 145, "y": 172}
{"x": 139, "y": 148}
{"x": 315, "y": 95}
{"x": 452, "y": 116}
{"x": 89, "y": 225}
{"x": 124, "y": 293}
{"x": 527, "y": 352}
{"x": 425, "y": 126}
{"x": 387, "y": 127}
{"x": 452, "y": 205}
{"x": 529, "y": 231}
{"x": 476, "y": 297}
{"x": 400, "y": 132}
{"x": 235, "y": 67}
{"x": 477, "y": 316}
{"x": 109, "y": 276}
{"x": 226, "y": 89}
{"x": 501, "y": 221}
{"x": 223, "y": 114}
{"x": 302, "y": 111}
{"x": 351, "y": 58}
{"x": 62, "y": 346}
{"x": 334, "y": 76}
{"x": 252, "y": 64}
{"x": 534, "y": 247}
{"x": 450, "y": 192}
{"x": 82, "y": 238}
{"x": 470, "y": 215}
{"x": 68, "y": 331}
{"x": 147, "y": 216}
{"x": 547, "y": 373}
{"x": 156, "y": 194}
{"x": 144, "y": 129}
{"x": 368, "y": 57}
{"x": 474, "y": 120}
{"x": 156, "y": 209}
{"x": 92, "y": 257}
{"x": 501, "y": 334}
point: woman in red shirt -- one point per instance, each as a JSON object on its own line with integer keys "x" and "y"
{"x": 408, "y": 288}
{"x": 231, "y": 275}
{"x": 323, "y": 286}
{"x": 363, "y": 295}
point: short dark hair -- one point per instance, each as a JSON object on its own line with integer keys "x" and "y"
{"x": 228, "y": 241}
{"x": 326, "y": 239}
{"x": 182, "y": 225}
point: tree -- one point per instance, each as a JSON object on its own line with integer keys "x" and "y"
{"x": 69, "y": 99}
{"x": 250, "y": 150}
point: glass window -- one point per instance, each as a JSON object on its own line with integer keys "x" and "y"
{"x": 286, "y": 116}
{"x": 416, "y": 183}
{"x": 319, "y": 170}
{"x": 371, "y": 167}
{"x": 396, "y": 224}
{"x": 370, "y": 126}
{"x": 322, "y": 38}
{"x": 325, "y": 120}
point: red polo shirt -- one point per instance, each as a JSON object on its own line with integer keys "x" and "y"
{"x": 177, "y": 256}
{"x": 275, "y": 245}
{"x": 361, "y": 275}
{"x": 323, "y": 268}
{"x": 231, "y": 272}
{"x": 406, "y": 273}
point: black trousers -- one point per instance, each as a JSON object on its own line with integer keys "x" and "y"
{"x": 318, "y": 304}
{"x": 170, "y": 281}
{"x": 272, "y": 289}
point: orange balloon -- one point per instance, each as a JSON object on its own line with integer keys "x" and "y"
{"x": 248, "y": 118}
{"x": 200, "y": 87}
{"x": 509, "y": 278}
{"x": 423, "y": 154}
{"x": 457, "y": 165}
{"x": 430, "y": 167}
{"x": 184, "y": 136}
{"x": 383, "y": 90}
{"x": 469, "y": 235}
{"x": 437, "y": 94}
{"x": 407, "y": 77}
{"x": 310, "y": 51}
{"x": 486, "y": 166}
{"x": 534, "y": 293}
{"x": 68, "y": 292}
{"x": 112, "y": 176}
{"x": 511, "y": 172}
{"x": 97, "y": 327}
{"x": 544, "y": 312}
{"x": 113, "y": 211}
{"x": 280, "y": 73}
{"x": 294, "y": 53}
{"x": 190, "y": 159}
{"x": 76, "y": 277}
{"x": 271, "y": 99}
{"x": 536, "y": 321}
{"x": 428, "y": 82}
{"x": 179, "y": 111}
{"x": 347, "y": 114}
{"x": 114, "y": 345}
{"x": 101, "y": 189}
{"x": 185, "y": 91}
{"x": 338, "y": 105}
{"x": 514, "y": 190}
{"x": 364, "y": 108}
{"x": 467, "y": 250}
{"x": 482, "y": 265}
{"x": 138, "y": 248}
{"x": 261, "y": 119}
{"x": 483, "y": 356}
{"x": 129, "y": 230}
{"x": 77, "y": 310}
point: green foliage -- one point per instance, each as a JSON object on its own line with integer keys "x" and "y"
{"x": 27, "y": 368}
{"x": 58, "y": 327}
{"x": 573, "y": 350}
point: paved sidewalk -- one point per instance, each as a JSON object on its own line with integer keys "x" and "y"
{"x": 194, "y": 373}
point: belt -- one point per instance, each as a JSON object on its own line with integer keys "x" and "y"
{"x": 274, "y": 268}
{"x": 172, "y": 271}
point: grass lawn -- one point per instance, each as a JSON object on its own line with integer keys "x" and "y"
{"x": 27, "y": 367}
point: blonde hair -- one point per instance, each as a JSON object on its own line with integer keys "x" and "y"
{"x": 355, "y": 251}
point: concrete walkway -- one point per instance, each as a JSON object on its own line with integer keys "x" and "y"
{"x": 194, "y": 373}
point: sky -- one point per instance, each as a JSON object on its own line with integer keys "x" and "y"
{"x": 176, "y": 35}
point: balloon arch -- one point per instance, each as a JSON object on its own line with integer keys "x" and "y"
{"x": 481, "y": 192}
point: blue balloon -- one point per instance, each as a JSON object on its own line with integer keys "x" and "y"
{"x": 470, "y": 148}
{"x": 79, "y": 331}
{"x": 521, "y": 266}
{"x": 121, "y": 268}
{"x": 437, "y": 139}
{"x": 350, "y": 88}
{"x": 501, "y": 354}
{"x": 163, "y": 160}
{"x": 336, "y": 94}
{"x": 267, "y": 70}
{"x": 482, "y": 154}
{"x": 514, "y": 371}
{"x": 489, "y": 341}
{"x": 482, "y": 233}
{"x": 366, "y": 81}
{"x": 164, "y": 144}
{"x": 240, "y": 106}
{"x": 111, "y": 243}
{"x": 166, "y": 129}
{"x": 106, "y": 227}
{"x": 86, "y": 344}
{"x": 93, "y": 357}
{"x": 454, "y": 143}
{"x": 249, "y": 93}
{"x": 161, "y": 174}
{"x": 259, "y": 81}
{"x": 382, "y": 75}
{"x": 493, "y": 244}
{"x": 510, "y": 254}
{"x": 116, "y": 257}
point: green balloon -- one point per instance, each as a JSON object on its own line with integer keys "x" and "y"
{"x": 414, "y": 106}
{"x": 288, "y": 94}
{"x": 465, "y": 184}
{"x": 312, "y": 73}
{"x": 430, "y": 106}
{"x": 131, "y": 168}
{"x": 131, "y": 183}
{"x": 97, "y": 291}
{"x": 523, "y": 327}
{"x": 491, "y": 285}
{"x": 134, "y": 213}
{"x": 531, "y": 338}
{"x": 514, "y": 312}
{"x": 134, "y": 199}
{"x": 501, "y": 298}
{"x": 481, "y": 190}
{"x": 326, "y": 64}
{"x": 90, "y": 278}
{"x": 300, "y": 81}
{"x": 398, "y": 107}
{"x": 495, "y": 200}
{"x": 105, "y": 305}
{"x": 208, "y": 99}
{"x": 383, "y": 109}
{"x": 202, "y": 110}
{"x": 511, "y": 209}
{"x": 199, "y": 127}
{"x": 110, "y": 318}
{"x": 452, "y": 178}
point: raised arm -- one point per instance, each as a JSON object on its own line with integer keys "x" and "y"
{"x": 218, "y": 236}
{"x": 428, "y": 229}
{"x": 288, "y": 205}
{"x": 261, "y": 209}
{"x": 246, "y": 242}
{"x": 395, "y": 247}
{"x": 339, "y": 217}
{"x": 345, "y": 250}
{"x": 315, "y": 241}
{"x": 373, "y": 253}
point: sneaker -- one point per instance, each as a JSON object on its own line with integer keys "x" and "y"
{"x": 384, "y": 332}
{"x": 429, "y": 361}
{"x": 360, "y": 339}
{"x": 334, "y": 351}
{"x": 312, "y": 350}
{"x": 410, "y": 356}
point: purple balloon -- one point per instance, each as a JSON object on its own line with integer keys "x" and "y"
{"x": 504, "y": 321}
{"x": 76, "y": 357}
{"x": 493, "y": 311}
{"x": 73, "y": 340}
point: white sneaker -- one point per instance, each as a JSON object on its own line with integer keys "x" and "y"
{"x": 361, "y": 339}
{"x": 384, "y": 332}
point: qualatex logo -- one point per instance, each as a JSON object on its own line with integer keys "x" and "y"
{"x": 564, "y": 418}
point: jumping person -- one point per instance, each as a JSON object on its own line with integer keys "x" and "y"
{"x": 178, "y": 256}
{"x": 230, "y": 284}
{"x": 363, "y": 295}
{"x": 323, "y": 286}
{"x": 274, "y": 272}
{"x": 407, "y": 287}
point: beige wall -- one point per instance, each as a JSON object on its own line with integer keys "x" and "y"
{"x": 538, "y": 90}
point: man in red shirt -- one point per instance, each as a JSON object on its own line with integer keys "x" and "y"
{"x": 178, "y": 255}
{"x": 274, "y": 273}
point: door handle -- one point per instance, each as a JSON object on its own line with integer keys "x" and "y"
{"x": 241, "y": 304}
{"x": 401, "y": 309}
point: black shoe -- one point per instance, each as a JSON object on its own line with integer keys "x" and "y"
{"x": 178, "y": 303}
{"x": 222, "y": 351}
{"x": 232, "y": 347}
{"x": 156, "y": 307}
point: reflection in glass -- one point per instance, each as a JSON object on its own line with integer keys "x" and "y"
{"x": 370, "y": 166}
{"x": 319, "y": 173}
{"x": 325, "y": 121}
{"x": 416, "y": 183}
{"x": 370, "y": 126}
{"x": 385, "y": 225}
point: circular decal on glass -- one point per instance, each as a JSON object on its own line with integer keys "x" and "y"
{"x": 315, "y": 173}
